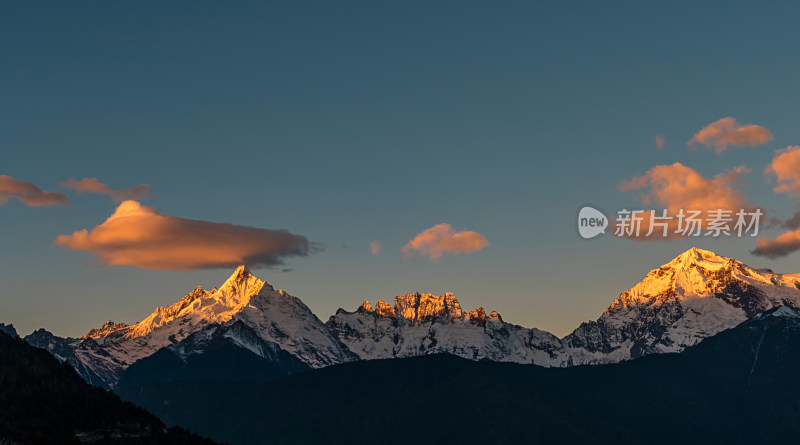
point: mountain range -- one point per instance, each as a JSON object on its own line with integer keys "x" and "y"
{"x": 702, "y": 350}
{"x": 736, "y": 387}
{"x": 694, "y": 296}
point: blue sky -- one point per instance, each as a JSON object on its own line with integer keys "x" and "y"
{"x": 348, "y": 122}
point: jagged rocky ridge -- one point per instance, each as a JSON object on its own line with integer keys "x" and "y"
{"x": 736, "y": 387}
{"x": 694, "y": 296}
{"x": 9, "y": 329}
{"x": 420, "y": 324}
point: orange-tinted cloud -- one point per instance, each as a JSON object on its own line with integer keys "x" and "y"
{"x": 660, "y": 141}
{"x": 92, "y": 185}
{"x": 634, "y": 183}
{"x": 139, "y": 236}
{"x": 783, "y": 245}
{"x": 675, "y": 187}
{"x": 785, "y": 166}
{"x": 793, "y": 222}
{"x": 28, "y": 193}
{"x": 727, "y": 131}
{"x": 375, "y": 247}
{"x": 442, "y": 239}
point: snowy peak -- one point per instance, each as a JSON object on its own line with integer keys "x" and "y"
{"x": 108, "y": 327}
{"x": 692, "y": 274}
{"x": 201, "y": 306}
{"x": 479, "y": 317}
{"x": 163, "y": 315}
{"x": 696, "y": 256}
{"x": 705, "y": 263}
{"x": 418, "y": 308}
{"x": 240, "y": 280}
{"x": 236, "y": 291}
{"x": 422, "y": 307}
{"x": 421, "y": 323}
{"x": 273, "y": 315}
{"x": 699, "y": 273}
{"x": 695, "y": 296}
{"x": 385, "y": 309}
{"x": 241, "y": 271}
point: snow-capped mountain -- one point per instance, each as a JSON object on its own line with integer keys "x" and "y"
{"x": 694, "y": 296}
{"x": 229, "y": 352}
{"x": 107, "y": 329}
{"x": 737, "y": 387}
{"x": 421, "y": 324}
{"x": 274, "y": 315}
{"x": 69, "y": 349}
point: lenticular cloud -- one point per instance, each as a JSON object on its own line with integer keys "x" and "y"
{"x": 139, "y": 236}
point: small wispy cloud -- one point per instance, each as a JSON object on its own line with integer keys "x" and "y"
{"x": 375, "y": 247}
{"x": 28, "y": 193}
{"x": 441, "y": 239}
{"x": 785, "y": 166}
{"x": 782, "y": 245}
{"x": 721, "y": 134}
{"x": 660, "y": 141}
{"x": 92, "y": 185}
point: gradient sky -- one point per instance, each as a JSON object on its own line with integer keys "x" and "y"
{"x": 348, "y": 122}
